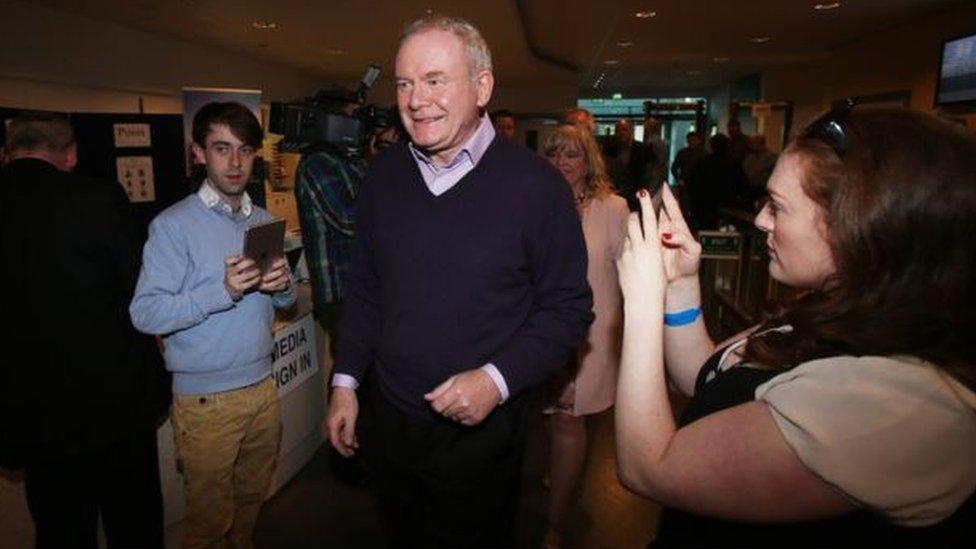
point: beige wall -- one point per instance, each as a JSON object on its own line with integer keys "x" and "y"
{"x": 902, "y": 58}
{"x": 54, "y": 60}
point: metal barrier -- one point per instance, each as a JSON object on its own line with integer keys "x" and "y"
{"x": 734, "y": 274}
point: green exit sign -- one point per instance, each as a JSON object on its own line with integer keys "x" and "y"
{"x": 720, "y": 244}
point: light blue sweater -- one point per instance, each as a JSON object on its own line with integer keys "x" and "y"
{"x": 212, "y": 343}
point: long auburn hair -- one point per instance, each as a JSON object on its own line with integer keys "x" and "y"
{"x": 597, "y": 181}
{"x": 900, "y": 214}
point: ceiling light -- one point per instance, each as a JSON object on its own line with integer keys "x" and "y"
{"x": 625, "y": 43}
{"x": 759, "y": 39}
{"x": 599, "y": 80}
{"x": 612, "y": 62}
{"x": 429, "y": 11}
{"x": 335, "y": 51}
{"x": 826, "y": 6}
{"x": 720, "y": 59}
{"x": 645, "y": 14}
{"x": 264, "y": 25}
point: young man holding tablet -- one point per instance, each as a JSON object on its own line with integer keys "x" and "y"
{"x": 214, "y": 310}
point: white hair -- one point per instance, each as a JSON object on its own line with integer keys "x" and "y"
{"x": 475, "y": 47}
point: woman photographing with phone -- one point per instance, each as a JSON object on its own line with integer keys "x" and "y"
{"x": 848, "y": 413}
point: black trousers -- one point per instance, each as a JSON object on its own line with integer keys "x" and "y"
{"x": 121, "y": 481}
{"x": 442, "y": 484}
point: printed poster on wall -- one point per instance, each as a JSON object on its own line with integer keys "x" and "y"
{"x": 194, "y": 98}
{"x": 294, "y": 358}
{"x": 135, "y": 173}
{"x": 131, "y": 135}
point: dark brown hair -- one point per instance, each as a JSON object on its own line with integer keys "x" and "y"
{"x": 900, "y": 213}
{"x": 241, "y": 121}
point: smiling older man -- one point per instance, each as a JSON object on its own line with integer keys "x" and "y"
{"x": 469, "y": 287}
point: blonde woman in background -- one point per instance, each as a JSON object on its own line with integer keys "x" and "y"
{"x": 590, "y": 381}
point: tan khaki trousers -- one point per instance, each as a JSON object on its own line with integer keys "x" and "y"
{"x": 227, "y": 443}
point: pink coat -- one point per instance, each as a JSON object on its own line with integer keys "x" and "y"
{"x": 604, "y": 227}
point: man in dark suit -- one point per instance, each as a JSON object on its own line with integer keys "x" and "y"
{"x": 627, "y": 162}
{"x": 79, "y": 387}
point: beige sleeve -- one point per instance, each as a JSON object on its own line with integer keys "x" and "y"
{"x": 896, "y": 436}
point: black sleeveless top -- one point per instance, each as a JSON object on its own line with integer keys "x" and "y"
{"x": 716, "y": 390}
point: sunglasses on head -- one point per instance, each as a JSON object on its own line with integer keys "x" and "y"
{"x": 829, "y": 128}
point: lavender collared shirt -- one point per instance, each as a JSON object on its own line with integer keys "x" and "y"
{"x": 440, "y": 179}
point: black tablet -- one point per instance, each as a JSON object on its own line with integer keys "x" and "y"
{"x": 264, "y": 243}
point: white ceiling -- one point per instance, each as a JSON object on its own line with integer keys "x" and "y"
{"x": 688, "y": 44}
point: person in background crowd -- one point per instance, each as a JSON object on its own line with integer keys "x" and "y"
{"x": 758, "y": 163}
{"x": 627, "y": 162}
{"x": 717, "y": 182}
{"x": 468, "y": 288}
{"x": 848, "y": 412}
{"x": 589, "y": 381}
{"x": 581, "y": 116}
{"x": 504, "y": 122}
{"x": 80, "y": 389}
{"x": 214, "y": 309}
{"x": 688, "y": 158}
{"x": 658, "y": 152}
{"x": 685, "y": 163}
{"x": 738, "y": 141}
{"x": 384, "y": 137}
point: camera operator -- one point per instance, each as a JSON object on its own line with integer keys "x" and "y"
{"x": 346, "y": 136}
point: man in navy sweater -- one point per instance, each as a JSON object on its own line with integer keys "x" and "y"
{"x": 468, "y": 287}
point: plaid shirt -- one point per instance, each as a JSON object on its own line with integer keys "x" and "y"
{"x": 326, "y": 186}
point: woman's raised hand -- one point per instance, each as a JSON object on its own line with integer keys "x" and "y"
{"x": 681, "y": 252}
{"x": 641, "y": 267}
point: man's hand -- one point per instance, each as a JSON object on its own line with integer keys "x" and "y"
{"x": 277, "y": 279}
{"x": 467, "y": 397}
{"x": 240, "y": 275}
{"x": 341, "y": 421}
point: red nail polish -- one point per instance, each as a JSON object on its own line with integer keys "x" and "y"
{"x": 666, "y": 236}
{"x": 642, "y": 193}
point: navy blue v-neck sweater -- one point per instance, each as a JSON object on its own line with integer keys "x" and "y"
{"x": 491, "y": 271}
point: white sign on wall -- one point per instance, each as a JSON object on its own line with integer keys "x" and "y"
{"x": 294, "y": 357}
{"x": 135, "y": 173}
{"x": 132, "y": 135}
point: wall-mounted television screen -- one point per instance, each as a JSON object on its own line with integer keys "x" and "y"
{"x": 957, "y": 73}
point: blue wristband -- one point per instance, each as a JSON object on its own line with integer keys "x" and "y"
{"x": 681, "y": 318}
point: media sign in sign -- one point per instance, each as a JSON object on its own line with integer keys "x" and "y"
{"x": 294, "y": 357}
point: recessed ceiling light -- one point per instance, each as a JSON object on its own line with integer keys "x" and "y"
{"x": 645, "y": 14}
{"x": 720, "y": 59}
{"x": 825, "y": 6}
{"x": 429, "y": 11}
{"x": 759, "y": 39}
{"x": 599, "y": 80}
{"x": 625, "y": 43}
{"x": 612, "y": 62}
{"x": 264, "y": 25}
